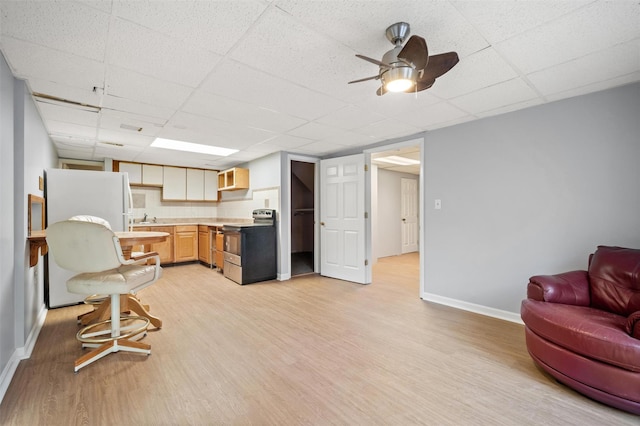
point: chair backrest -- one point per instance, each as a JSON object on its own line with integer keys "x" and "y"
{"x": 89, "y": 218}
{"x": 83, "y": 246}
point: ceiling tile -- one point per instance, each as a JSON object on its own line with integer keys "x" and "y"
{"x": 600, "y": 25}
{"x": 314, "y": 131}
{"x": 114, "y": 120}
{"x": 426, "y": 117}
{"x": 500, "y": 20}
{"x": 361, "y": 25}
{"x": 218, "y": 107}
{"x": 242, "y": 82}
{"x": 29, "y": 60}
{"x": 281, "y": 143}
{"x": 135, "y": 107}
{"x": 211, "y": 25}
{"x": 127, "y": 84}
{"x": 279, "y": 45}
{"x": 607, "y": 64}
{"x": 350, "y": 117}
{"x": 70, "y": 129}
{"x": 198, "y": 129}
{"x": 388, "y": 129}
{"x": 125, "y": 137}
{"x": 87, "y": 97}
{"x": 496, "y": 96}
{"x": 68, "y": 114}
{"x": 482, "y": 69}
{"x": 73, "y": 28}
{"x": 147, "y": 52}
{"x": 510, "y": 108}
{"x": 595, "y": 87}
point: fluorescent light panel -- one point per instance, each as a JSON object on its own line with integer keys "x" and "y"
{"x": 394, "y": 159}
{"x": 192, "y": 147}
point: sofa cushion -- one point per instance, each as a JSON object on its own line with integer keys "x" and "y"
{"x": 590, "y": 332}
{"x": 614, "y": 280}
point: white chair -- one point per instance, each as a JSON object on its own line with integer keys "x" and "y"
{"x": 94, "y": 251}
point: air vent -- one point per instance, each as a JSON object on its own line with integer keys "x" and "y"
{"x": 130, "y": 127}
{"x": 113, "y": 144}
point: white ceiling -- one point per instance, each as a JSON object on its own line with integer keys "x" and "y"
{"x": 265, "y": 76}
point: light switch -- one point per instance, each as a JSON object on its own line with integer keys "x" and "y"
{"x": 438, "y": 204}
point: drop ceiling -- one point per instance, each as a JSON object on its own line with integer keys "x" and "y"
{"x": 267, "y": 76}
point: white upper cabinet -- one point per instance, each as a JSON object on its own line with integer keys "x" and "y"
{"x": 134, "y": 170}
{"x": 210, "y": 185}
{"x": 195, "y": 184}
{"x": 152, "y": 175}
{"x": 174, "y": 183}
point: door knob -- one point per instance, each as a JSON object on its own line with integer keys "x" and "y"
{"x": 321, "y": 223}
{"x": 404, "y": 220}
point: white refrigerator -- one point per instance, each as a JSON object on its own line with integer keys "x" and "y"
{"x": 80, "y": 192}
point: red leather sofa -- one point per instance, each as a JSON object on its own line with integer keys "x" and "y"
{"x": 583, "y": 327}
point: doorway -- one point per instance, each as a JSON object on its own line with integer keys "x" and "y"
{"x": 302, "y": 217}
{"x": 396, "y": 203}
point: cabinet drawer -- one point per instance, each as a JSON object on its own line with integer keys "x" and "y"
{"x": 186, "y": 228}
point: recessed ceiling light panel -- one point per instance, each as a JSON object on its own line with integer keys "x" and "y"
{"x": 192, "y": 147}
{"x": 394, "y": 159}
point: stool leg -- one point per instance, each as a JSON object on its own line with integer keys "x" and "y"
{"x": 115, "y": 315}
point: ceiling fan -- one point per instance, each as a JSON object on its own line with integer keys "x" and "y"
{"x": 409, "y": 68}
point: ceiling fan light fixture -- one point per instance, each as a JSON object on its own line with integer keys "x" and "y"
{"x": 399, "y": 79}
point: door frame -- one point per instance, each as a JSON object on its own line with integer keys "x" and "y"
{"x": 419, "y": 141}
{"x": 285, "y": 272}
{"x": 285, "y": 264}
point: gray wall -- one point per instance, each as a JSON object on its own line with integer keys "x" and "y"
{"x": 25, "y": 151}
{"x": 7, "y": 311}
{"x": 530, "y": 192}
{"x": 388, "y": 240}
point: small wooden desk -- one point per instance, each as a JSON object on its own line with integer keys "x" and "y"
{"x": 130, "y": 239}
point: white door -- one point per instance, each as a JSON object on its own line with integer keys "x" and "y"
{"x": 409, "y": 214}
{"x": 342, "y": 219}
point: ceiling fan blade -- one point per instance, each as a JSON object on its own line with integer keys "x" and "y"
{"x": 373, "y": 61}
{"x": 416, "y": 52}
{"x": 375, "y": 77}
{"x": 439, "y": 64}
{"x": 422, "y": 85}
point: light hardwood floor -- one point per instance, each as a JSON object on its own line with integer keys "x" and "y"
{"x": 311, "y": 350}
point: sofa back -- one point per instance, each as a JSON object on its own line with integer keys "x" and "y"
{"x": 614, "y": 279}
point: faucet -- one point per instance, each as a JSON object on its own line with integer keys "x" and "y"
{"x": 144, "y": 219}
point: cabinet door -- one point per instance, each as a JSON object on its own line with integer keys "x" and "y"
{"x": 134, "y": 170}
{"x": 203, "y": 247}
{"x": 151, "y": 174}
{"x": 165, "y": 248}
{"x": 220, "y": 250}
{"x": 210, "y": 185}
{"x": 186, "y": 243}
{"x": 195, "y": 184}
{"x": 174, "y": 183}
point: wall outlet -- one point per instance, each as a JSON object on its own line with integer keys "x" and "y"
{"x": 437, "y": 204}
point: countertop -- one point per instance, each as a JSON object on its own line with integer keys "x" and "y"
{"x": 217, "y": 222}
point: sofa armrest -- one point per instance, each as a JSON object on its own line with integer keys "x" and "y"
{"x": 569, "y": 288}
{"x": 633, "y": 325}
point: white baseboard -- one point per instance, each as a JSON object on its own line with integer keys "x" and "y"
{"x": 472, "y": 307}
{"x": 21, "y": 353}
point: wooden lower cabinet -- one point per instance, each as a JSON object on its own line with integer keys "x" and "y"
{"x": 204, "y": 250}
{"x": 186, "y": 243}
{"x": 220, "y": 250}
{"x": 165, "y": 248}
